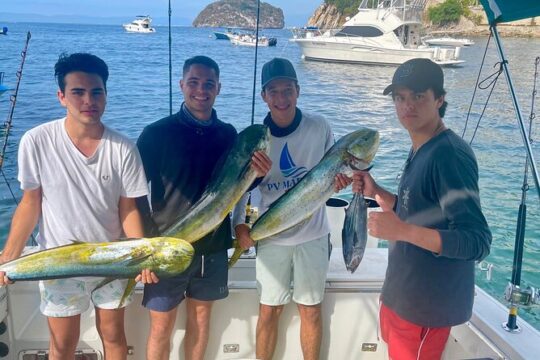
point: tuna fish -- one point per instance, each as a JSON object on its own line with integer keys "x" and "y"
{"x": 226, "y": 188}
{"x": 354, "y": 233}
{"x": 353, "y": 151}
{"x": 165, "y": 256}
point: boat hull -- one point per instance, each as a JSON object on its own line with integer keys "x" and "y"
{"x": 350, "y": 316}
{"x": 357, "y": 52}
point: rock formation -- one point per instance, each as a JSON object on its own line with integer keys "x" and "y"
{"x": 241, "y": 14}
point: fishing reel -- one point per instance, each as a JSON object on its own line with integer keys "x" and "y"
{"x": 524, "y": 297}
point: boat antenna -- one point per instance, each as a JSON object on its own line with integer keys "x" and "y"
{"x": 170, "y": 61}
{"x": 514, "y": 294}
{"x": 6, "y": 127}
{"x": 255, "y": 64}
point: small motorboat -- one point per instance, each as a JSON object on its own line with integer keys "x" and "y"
{"x": 141, "y": 24}
{"x": 4, "y": 30}
{"x": 447, "y": 41}
{"x": 249, "y": 39}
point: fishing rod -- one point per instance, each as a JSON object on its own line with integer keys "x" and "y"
{"x": 6, "y": 127}
{"x": 249, "y": 209}
{"x": 170, "y": 60}
{"x": 13, "y": 101}
{"x": 514, "y": 293}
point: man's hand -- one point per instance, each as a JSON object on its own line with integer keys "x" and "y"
{"x": 341, "y": 181}
{"x": 4, "y": 280}
{"x": 147, "y": 277}
{"x": 261, "y": 163}
{"x": 363, "y": 183}
{"x": 242, "y": 236}
{"x": 386, "y": 224}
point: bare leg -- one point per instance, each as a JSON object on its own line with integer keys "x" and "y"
{"x": 159, "y": 340}
{"x": 310, "y": 330}
{"x": 64, "y": 337}
{"x": 197, "y": 328}
{"x": 267, "y": 330}
{"x": 110, "y": 326}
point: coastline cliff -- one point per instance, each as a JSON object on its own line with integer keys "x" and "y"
{"x": 327, "y": 16}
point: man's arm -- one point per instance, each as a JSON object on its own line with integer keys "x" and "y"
{"x": 130, "y": 218}
{"x": 23, "y": 223}
{"x": 133, "y": 228}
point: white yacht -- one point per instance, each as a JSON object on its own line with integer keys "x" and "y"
{"x": 388, "y": 33}
{"x": 141, "y": 24}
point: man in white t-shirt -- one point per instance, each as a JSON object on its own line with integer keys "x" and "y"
{"x": 299, "y": 141}
{"x": 79, "y": 180}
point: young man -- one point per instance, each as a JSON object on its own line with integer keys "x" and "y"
{"x": 301, "y": 253}
{"x": 79, "y": 180}
{"x": 435, "y": 223}
{"x": 180, "y": 153}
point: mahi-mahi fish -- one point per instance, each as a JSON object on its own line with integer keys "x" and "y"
{"x": 126, "y": 259}
{"x": 354, "y": 232}
{"x": 225, "y": 189}
{"x": 353, "y": 151}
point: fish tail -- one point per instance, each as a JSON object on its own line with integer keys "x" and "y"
{"x": 129, "y": 288}
{"x": 235, "y": 256}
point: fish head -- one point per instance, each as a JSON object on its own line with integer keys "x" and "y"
{"x": 362, "y": 148}
{"x": 255, "y": 137}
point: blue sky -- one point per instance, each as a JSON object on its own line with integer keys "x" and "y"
{"x": 293, "y": 9}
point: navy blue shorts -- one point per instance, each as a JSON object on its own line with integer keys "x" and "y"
{"x": 204, "y": 283}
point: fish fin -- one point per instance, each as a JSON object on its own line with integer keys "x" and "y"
{"x": 103, "y": 283}
{"x": 133, "y": 261}
{"x": 235, "y": 256}
{"x": 129, "y": 289}
{"x": 74, "y": 242}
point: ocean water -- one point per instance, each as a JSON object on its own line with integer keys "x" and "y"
{"x": 348, "y": 95}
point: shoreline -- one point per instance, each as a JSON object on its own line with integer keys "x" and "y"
{"x": 505, "y": 30}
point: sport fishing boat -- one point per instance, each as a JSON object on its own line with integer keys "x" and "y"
{"x": 350, "y": 308}
{"x": 141, "y": 24}
{"x": 388, "y": 33}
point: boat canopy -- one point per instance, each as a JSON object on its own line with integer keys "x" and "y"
{"x": 500, "y": 11}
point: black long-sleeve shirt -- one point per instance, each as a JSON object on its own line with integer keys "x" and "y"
{"x": 438, "y": 190}
{"x": 179, "y": 157}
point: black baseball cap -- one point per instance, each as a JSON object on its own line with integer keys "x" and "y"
{"x": 277, "y": 68}
{"x": 417, "y": 75}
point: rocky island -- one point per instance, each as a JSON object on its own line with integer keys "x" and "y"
{"x": 240, "y": 14}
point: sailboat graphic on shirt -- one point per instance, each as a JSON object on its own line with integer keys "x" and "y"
{"x": 287, "y": 166}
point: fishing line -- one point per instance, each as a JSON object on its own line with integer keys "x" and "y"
{"x": 489, "y": 82}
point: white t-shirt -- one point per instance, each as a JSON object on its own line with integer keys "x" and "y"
{"x": 80, "y": 195}
{"x": 292, "y": 157}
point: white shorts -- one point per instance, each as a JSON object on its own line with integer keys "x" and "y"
{"x": 71, "y": 296}
{"x": 305, "y": 264}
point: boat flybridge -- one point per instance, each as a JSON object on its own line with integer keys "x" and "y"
{"x": 141, "y": 24}
{"x": 388, "y": 33}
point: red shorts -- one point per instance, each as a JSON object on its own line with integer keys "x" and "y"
{"x": 408, "y": 341}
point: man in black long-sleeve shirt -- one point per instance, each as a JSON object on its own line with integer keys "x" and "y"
{"x": 435, "y": 222}
{"x": 180, "y": 153}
